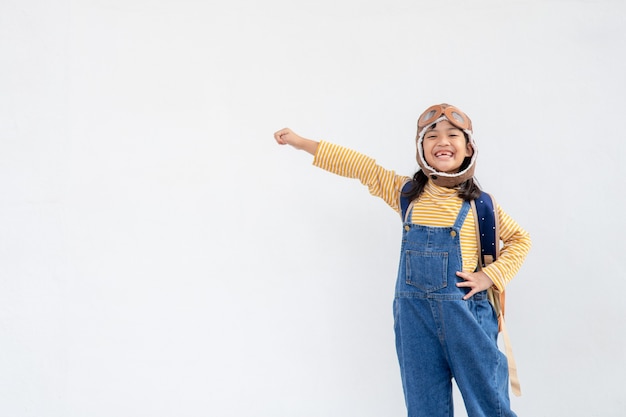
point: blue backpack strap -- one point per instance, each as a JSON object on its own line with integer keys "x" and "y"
{"x": 488, "y": 239}
{"x": 404, "y": 201}
{"x": 490, "y": 248}
{"x": 489, "y": 245}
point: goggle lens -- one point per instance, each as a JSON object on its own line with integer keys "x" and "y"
{"x": 459, "y": 118}
{"x": 454, "y": 115}
{"x": 429, "y": 115}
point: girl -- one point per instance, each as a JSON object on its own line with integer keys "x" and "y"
{"x": 444, "y": 323}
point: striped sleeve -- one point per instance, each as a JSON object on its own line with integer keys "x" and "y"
{"x": 381, "y": 182}
{"x": 516, "y": 245}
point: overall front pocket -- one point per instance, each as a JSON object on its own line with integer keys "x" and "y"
{"x": 427, "y": 271}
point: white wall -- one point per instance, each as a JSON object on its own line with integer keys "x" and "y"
{"x": 161, "y": 256}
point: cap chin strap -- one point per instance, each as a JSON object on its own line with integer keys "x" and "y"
{"x": 444, "y": 179}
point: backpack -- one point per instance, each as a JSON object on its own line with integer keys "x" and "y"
{"x": 488, "y": 239}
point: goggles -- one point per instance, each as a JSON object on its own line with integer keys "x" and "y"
{"x": 454, "y": 116}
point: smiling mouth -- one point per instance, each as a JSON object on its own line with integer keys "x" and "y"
{"x": 443, "y": 154}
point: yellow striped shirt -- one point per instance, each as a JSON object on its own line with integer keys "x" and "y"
{"x": 437, "y": 207}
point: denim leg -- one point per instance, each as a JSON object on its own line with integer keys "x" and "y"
{"x": 426, "y": 376}
{"x": 479, "y": 367}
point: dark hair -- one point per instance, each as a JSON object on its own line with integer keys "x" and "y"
{"x": 468, "y": 190}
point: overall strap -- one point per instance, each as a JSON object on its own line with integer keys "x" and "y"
{"x": 460, "y": 219}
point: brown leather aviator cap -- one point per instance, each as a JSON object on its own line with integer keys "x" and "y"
{"x": 435, "y": 114}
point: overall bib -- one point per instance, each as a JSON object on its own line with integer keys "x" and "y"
{"x": 440, "y": 336}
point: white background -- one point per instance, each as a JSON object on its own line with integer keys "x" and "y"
{"x": 160, "y": 255}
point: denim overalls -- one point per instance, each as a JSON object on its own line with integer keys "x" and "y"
{"x": 440, "y": 336}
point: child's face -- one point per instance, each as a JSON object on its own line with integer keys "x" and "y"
{"x": 445, "y": 147}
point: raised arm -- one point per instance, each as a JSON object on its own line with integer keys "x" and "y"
{"x": 339, "y": 160}
{"x": 287, "y": 137}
